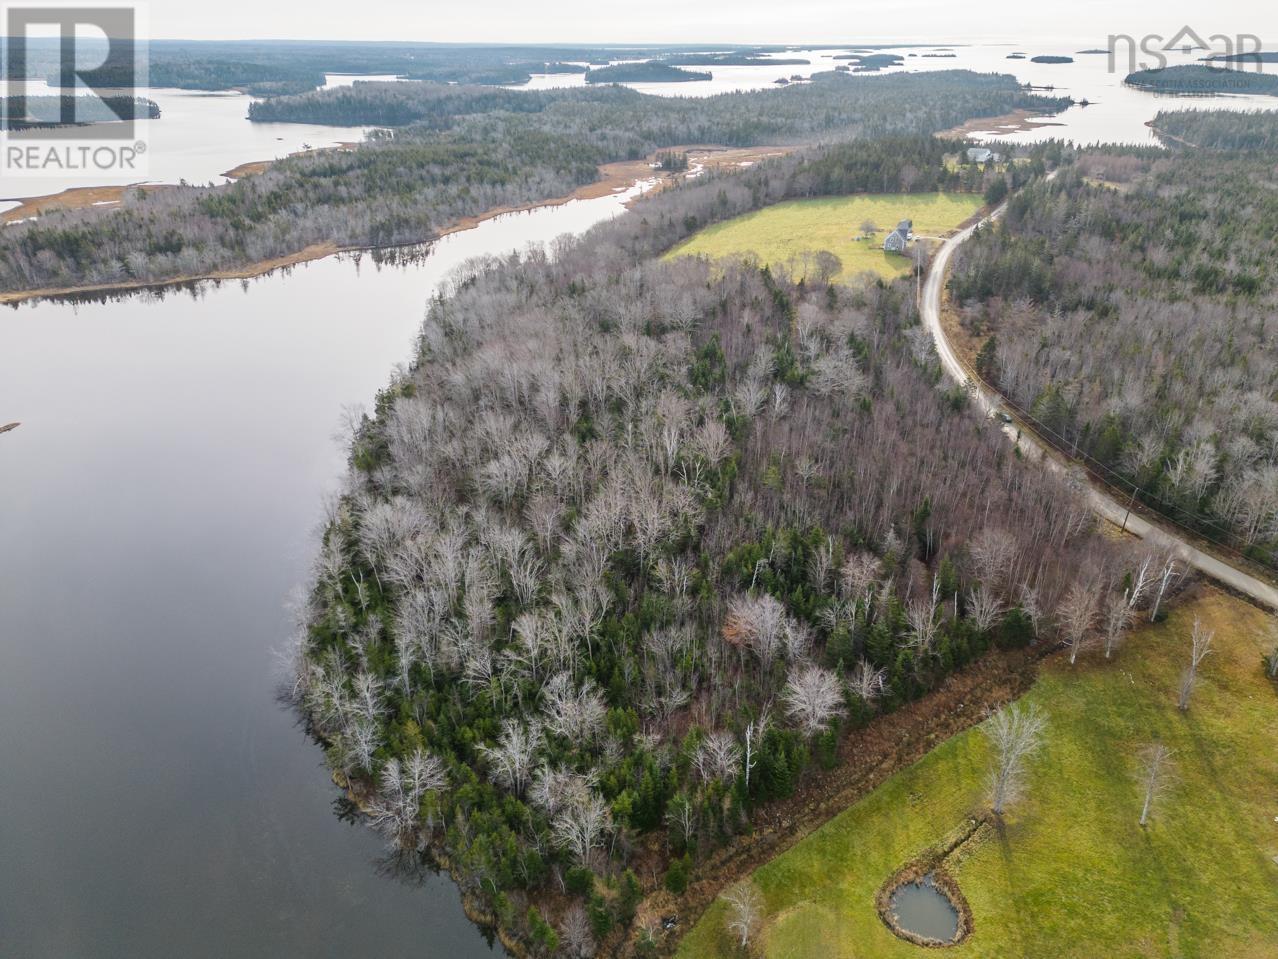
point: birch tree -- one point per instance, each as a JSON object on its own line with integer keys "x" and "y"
{"x": 812, "y": 698}
{"x": 1014, "y": 733}
{"x": 1076, "y": 615}
{"x": 582, "y": 825}
{"x": 745, "y": 912}
{"x": 1155, "y": 772}
{"x": 1199, "y": 649}
{"x": 1118, "y": 616}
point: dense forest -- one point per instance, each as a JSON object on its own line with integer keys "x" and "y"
{"x": 274, "y": 68}
{"x": 1218, "y": 129}
{"x": 475, "y": 149}
{"x": 836, "y": 105}
{"x": 1199, "y": 78}
{"x": 633, "y": 543}
{"x": 1130, "y": 306}
{"x": 648, "y": 72}
{"x": 19, "y": 112}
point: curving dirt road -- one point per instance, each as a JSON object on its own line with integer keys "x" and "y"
{"x": 1101, "y": 501}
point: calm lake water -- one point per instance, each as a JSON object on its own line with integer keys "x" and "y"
{"x": 198, "y": 137}
{"x": 1116, "y": 114}
{"x": 160, "y": 502}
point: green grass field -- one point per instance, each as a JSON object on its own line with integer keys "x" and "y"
{"x": 781, "y": 234}
{"x": 1073, "y": 875}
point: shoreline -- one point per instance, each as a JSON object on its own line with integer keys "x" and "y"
{"x": 1018, "y": 121}
{"x": 613, "y": 178}
{"x": 80, "y": 197}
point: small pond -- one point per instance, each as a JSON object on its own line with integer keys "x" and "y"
{"x": 923, "y": 909}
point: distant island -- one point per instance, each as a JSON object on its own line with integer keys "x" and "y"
{"x": 869, "y": 62}
{"x": 1089, "y": 52}
{"x": 1051, "y": 59}
{"x": 739, "y": 59}
{"x": 649, "y": 72}
{"x": 46, "y": 110}
{"x": 1202, "y": 80}
{"x": 1016, "y": 56}
{"x": 1266, "y": 56}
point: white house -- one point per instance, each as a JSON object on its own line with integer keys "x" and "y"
{"x": 981, "y": 155}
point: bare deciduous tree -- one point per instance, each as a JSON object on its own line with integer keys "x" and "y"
{"x": 1199, "y": 649}
{"x": 860, "y": 573}
{"x": 745, "y": 911}
{"x": 582, "y": 825}
{"x": 1164, "y": 578}
{"x": 866, "y": 682}
{"x": 718, "y": 757}
{"x": 575, "y": 933}
{"x": 512, "y": 758}
{"x": 1014, "y": 733}
{"x": 395, "y": 809}
{"x": 1155, "y": 774}
{"x": 758, "y": 622}
{"x": 812, "y": 698}
{"x": 681, "y": 817}
{"x": 985, "y": 608}
{"x": 1076, "y": 615}
{"x": 1118, "y": 616}
{"x": 1032, "y": 606}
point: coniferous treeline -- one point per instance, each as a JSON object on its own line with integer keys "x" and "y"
{"x": 1218, "y": 129}
{"x": 272, "y": 67}
{"x": 836, "y": 103}
{"x": 650, "y": 71}
{"x": 17, "y": 113}
{"x": 1198, "y": 78}
{"x": 633, "y": 542}
{"x": 1131, "y": 304}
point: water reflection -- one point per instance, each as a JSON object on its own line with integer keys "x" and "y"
{"x": 159, "y": 503}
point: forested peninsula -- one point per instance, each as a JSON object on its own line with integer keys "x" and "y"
{"x": 1197, "y": 78}
{"x": 635, "y": 546}
{"x": 459, "y": 152}
{"x": 650, "y": 72}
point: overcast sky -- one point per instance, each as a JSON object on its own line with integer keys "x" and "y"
{"x": 729, "y": 21}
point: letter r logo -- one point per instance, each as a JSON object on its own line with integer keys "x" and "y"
{"x": 25, "y": 31}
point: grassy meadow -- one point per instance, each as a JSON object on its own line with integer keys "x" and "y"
{"x": 783, "y": 233}
{"x": 1073, "y": 875}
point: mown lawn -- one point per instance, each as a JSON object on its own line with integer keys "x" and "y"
{"x": 1073, "y": 875}
{"x": 781, "y": 234}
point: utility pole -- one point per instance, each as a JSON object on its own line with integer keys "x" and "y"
{"x": 1126, "y": 515}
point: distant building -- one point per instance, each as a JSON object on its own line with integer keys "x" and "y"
{"x": 981, "y": 155}
{"x": 898, "y": 239}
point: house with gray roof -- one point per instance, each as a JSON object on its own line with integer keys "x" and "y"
{"x": 898, "y": 239}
